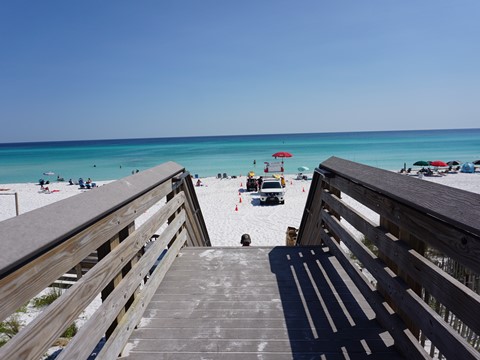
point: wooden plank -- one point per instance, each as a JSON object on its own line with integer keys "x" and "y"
{"x": 212, "y": 355}
{"x": 73, "y": 215}
{"x": 450, "y": 292}
{"x": 231, "y": 331}
{"x": 457, "y": 207}
{"x": 444, "y": 337}
{"x": 455, "y": 243}
{"x": 114, "y": 346}
{"x": 20, "y": 286}
{"x": 354, "y": 348}
{"x": 86, "y": 339}
{"x": 37, "y": 336}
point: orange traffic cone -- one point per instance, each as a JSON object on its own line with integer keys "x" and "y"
{"x": 240, "y": 200}
{"x": 236, "y": 208}
{"x": 241, "y": 184}
{"x": 303, "y": 189}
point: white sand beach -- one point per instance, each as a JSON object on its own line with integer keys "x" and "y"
{"x": 219, "y": 199}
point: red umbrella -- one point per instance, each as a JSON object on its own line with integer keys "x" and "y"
{"x": 282, "y": 154}
{"x": 438, "y": 163}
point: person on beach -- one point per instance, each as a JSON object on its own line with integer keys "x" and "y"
{"x": 245, "y": 240}
{"x": 259, "y": 182}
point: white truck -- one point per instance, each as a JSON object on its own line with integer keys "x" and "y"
{"x": 272, "y": 191}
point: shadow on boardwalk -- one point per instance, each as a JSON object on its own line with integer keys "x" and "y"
{"x": 325, "y": 315}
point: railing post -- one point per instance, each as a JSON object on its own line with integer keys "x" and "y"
{"x": 309, "y": 231}
{"x": 416, "y": 245}
{"x": 170, "y": 196}
{"x": 103, "y": 251}
{"x": 337, "y": 193}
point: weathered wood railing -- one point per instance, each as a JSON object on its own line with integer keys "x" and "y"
{"x": 137, "y": 225}
{"x": 411, "y": 222}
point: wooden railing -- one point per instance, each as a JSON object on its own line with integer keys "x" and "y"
{"x": 395, "y": 252}
{"x": 136, "y": 225}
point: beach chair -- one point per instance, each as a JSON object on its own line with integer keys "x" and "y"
{"x": 225, "y": 176}
{"x": 219, "y": 176}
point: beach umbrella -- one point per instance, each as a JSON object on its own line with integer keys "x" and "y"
{"x": 303, "y": 168}
{"x": 421, "y": 163}
{"x": 454, "y": 163}
{"x": 282, "y": 154}
{"x": 438, "y": 163}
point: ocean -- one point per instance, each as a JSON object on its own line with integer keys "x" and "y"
{"x": 234, "y": 155}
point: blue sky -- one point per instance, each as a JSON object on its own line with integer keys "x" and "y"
{"x": 128, "y": 69}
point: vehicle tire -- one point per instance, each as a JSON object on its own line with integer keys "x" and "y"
{"x": 262, "y": 202}
{"x": 283, "y": 202}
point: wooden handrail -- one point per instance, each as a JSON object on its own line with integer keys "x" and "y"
{"x": 414, "y": 217}
{"x": 132, "y": 262}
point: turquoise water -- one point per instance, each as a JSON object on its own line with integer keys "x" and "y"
{"x": 234, "y": 155}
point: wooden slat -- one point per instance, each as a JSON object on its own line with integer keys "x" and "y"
{"x": 72, "y": 215}
{"x": 37, "y": 336}
{"x": 22, "y": 285}
{"x": 445, "y": 338}
{"x": 450, "y": 292}
{"x": 118, "y": 339}
{"x": 454, "y": 242}
{"x": 425, "y": 196}
{"x": 87, "y": 338}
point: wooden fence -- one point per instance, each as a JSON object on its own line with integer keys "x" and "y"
{"x": 136, "y": 225}
{"x": 395, "y": 254}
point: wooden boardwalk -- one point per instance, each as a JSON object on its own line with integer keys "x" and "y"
{"x": 258, "y": 303}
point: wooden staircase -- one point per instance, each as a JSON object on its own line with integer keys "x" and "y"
{"x": 258, "y": 303}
